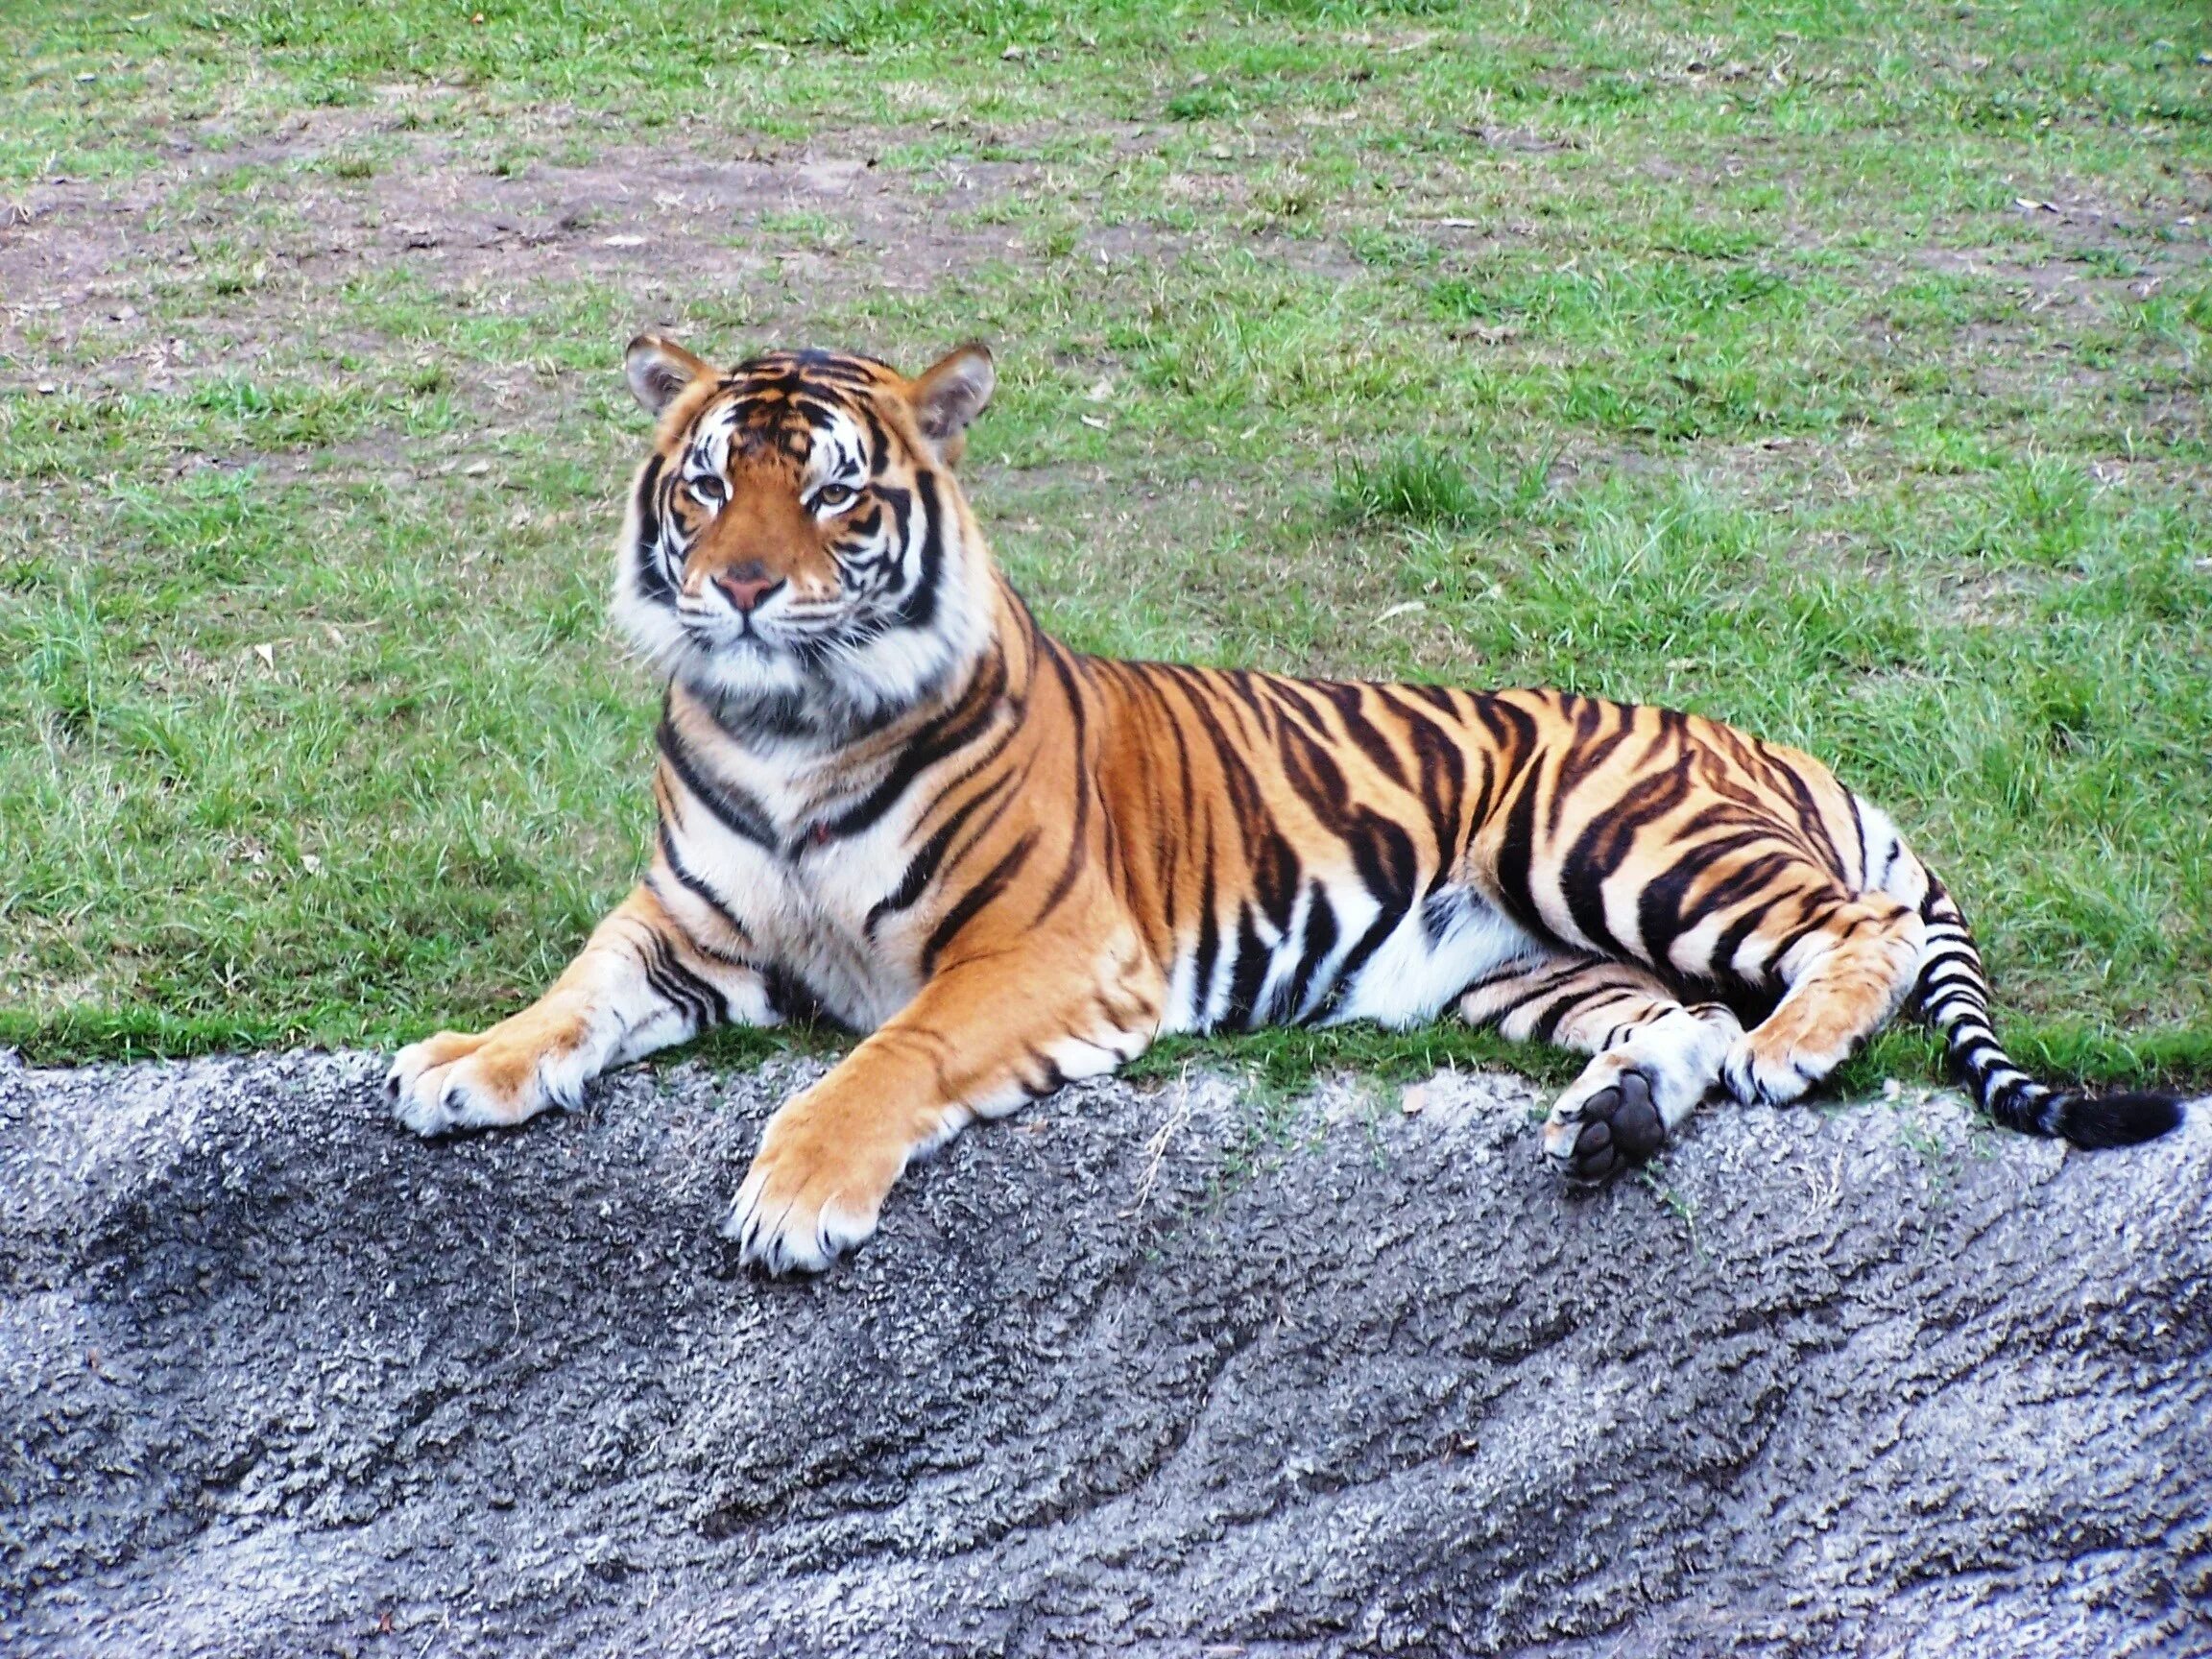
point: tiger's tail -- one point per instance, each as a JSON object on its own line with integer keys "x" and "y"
{"x": 1952, "y": 994}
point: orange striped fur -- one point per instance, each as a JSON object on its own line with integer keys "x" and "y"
{"x": 887, "y": 796}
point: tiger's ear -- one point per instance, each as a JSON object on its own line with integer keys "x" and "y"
{"x": 950, "y": 392}
{"x": 660, "y": 369}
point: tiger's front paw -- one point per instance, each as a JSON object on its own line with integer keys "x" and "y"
{"x": 815, "y": 1192}
{"x": 483, "y": 1079}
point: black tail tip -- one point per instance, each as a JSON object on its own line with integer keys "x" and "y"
{"x": 2117, "y": 1119}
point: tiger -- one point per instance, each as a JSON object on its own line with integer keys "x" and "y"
{"x": 887, "y": 799}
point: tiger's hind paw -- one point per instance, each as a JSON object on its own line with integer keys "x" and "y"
{"x": 1768, "y": 1074}
{"x": 1619, "y": 1112}
{"x": 1616, "y": 1128}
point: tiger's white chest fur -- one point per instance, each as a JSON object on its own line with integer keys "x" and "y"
{"x": 812, "y": 901}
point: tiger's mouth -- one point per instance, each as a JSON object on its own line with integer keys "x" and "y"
{"x": 765, "y": 632}
{"x": 718, "y": 629}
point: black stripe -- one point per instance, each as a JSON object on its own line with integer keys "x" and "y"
{"x": 653, "y": 580}
{"x": 697, "y": 887}
{"x": 1517, "y": 857}
{"x": 1275, "y": 870}
{"x": 1602, "y": 849}
{"x": 1350, "y": 703}
{"x": 993, "y": 884}
{"x": 1209, "y": 943}
{"x": 922, "y": 866}
{"x": 1319, "y": 938}
{"x": 1441, "y": 765}
{"x": 1078, "y": 837}
{"x": 949, "y": 731}
{"x": 920, "y": 606}
{"x": 734, "y": 808}
{"x": 791, "y": 998}
{"x": 700, "y": 998}
{"x": 1248, "y": 971}
{"x": 1435, "y": 695}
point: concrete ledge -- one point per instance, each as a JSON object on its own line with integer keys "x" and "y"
{"x": 1127, "y": 1373}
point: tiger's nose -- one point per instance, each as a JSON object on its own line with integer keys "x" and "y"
{"x": 747, "y": 584}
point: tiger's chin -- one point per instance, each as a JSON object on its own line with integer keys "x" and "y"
{"x": 831, "y": 687}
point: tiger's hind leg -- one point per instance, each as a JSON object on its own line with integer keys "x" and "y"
{"x": 1653, "y": 1058}
{"x": 1846, "y": 976}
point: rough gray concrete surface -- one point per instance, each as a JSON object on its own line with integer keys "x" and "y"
{"x": 1125, "y": 1374}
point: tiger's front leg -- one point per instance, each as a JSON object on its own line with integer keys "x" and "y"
{"x": 978, "y": 1042}
{"x": 639, "y": 985}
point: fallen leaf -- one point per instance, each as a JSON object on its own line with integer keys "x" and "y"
{"x": 1100, "y": 393}
{"x": 1416, "y": 1100}
{"x": 622, "y": 241}
{"x": 267, "y": 654}
{"x": 311, "y": 863}
{"x": 476, "y": 469}
{"x": 1405, "y": 610}
{"x": 1092, "y": 422}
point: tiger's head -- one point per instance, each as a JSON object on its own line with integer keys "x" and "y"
{"x": 796, "y": 548}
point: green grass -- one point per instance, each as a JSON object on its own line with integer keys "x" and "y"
{"x": 1702, "y": 357}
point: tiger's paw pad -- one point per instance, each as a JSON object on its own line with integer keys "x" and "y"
{"x": 1617, "y": 1128}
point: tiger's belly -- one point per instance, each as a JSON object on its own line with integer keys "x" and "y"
{"x": 1341, "y": 955}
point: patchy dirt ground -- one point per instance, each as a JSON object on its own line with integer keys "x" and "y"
{"x": 269, "y": 227}
{"x": 1115, "y": 1377}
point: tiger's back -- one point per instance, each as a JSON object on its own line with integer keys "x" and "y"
{"x": 885, "y": 794}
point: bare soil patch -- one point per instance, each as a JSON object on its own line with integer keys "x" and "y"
{"x": 341, "y": 196}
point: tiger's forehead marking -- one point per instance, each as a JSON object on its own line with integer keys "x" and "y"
{"x": 813, "y": 409}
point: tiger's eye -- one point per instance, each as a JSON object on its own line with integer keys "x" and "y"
{"x": 709, "y": 491}
{"x": 833, "y": 497}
